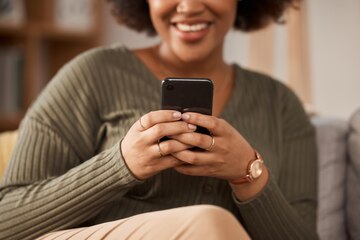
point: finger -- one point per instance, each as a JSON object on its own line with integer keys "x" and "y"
{"x": 172, "y": 146}
{"x": 152, "y": 118}
{"x": 161, "y": 130}
{"x": 157, "y": 165}
{"x": 212, "y": 123}
{"x": 195, "y": 158}
{"x": 167, "y": 162}
{"x": 142, "y": 127}
{"x": 203, "y": 141}
{"x": 191, "y": 170}
{"x": 165, "y": 148}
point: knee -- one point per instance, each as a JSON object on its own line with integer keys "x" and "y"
{"x": 208, "y": 217}
{"x": 216, "y": 222}
{"x": 211, "y": 215}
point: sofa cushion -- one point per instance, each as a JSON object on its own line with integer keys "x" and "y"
{"x": 331, "y": 139}
{"x": 353, "y": 180}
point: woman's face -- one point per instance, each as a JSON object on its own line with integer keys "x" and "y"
{"x": 192, "y": 30}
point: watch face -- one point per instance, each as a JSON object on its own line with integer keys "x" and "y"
{"x": 256, "y": 168}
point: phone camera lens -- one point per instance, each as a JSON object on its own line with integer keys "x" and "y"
{"x": 170, "y": 87}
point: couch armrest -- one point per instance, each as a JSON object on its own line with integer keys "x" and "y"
{"x": 353, "y": 179}
{"x": 331, "y": 139}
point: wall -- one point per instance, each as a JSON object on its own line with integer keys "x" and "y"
{"x": 334, "y": 39}
{"x": 335, "y": 55}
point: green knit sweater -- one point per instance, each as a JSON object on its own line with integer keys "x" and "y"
{"x": 67, "y": 170}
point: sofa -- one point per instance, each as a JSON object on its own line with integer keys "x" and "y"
{"x": 339, "y": 175}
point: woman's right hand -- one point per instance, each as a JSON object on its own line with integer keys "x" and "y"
{"x": 144, "y": 155}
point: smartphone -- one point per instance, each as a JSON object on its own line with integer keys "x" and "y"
{"x": 188, "y": 95}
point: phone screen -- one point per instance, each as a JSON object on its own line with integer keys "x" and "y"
{"x": 188, "y": 95}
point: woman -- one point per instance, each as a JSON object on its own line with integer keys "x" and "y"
{"x": 88, "y": 150}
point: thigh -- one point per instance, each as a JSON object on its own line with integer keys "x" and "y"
{"x": 194, "y": 222}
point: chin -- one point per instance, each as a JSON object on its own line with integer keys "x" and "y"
{"x": 192, "y": 59}
{"x": 192, "y": 53}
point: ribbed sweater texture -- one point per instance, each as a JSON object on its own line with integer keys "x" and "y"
{"x": 67, "y": 170}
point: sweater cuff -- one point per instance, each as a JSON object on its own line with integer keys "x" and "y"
{"x": 122, "y": 170}
{"x": 258, "y": 199}
{"x": 270, "y": 216}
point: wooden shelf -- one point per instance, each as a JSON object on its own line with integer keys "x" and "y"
{"x": 66, "y": 35}
{"x": 10, "y": 121}
{"x": 46, "y": 48}
{"x": 46, "y": 33}
{"x": 18, "y": 31}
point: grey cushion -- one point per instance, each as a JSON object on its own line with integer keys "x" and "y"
{"x": 353, "y": 180}
{"x": 331, "y": 139}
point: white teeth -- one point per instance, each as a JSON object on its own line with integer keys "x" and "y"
{"x": 191, "y": 28}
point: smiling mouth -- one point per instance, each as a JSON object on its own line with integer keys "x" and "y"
{"x": 191, "y": 27}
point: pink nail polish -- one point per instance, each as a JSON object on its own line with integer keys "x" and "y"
{"x": 185, "y": 116}
{"x": 177, "y": 115}
{"x": 191, "y": 126}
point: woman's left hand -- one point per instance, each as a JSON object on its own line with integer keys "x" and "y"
{"x": 226, "y": 159}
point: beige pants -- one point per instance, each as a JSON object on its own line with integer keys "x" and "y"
{"x": 194, "y": 222}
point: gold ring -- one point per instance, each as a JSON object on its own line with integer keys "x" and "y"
{"x": 212, "y": 143}
{"x": 159, "y": 148}
{"x": 141, "y": 125}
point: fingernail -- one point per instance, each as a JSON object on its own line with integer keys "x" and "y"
{"x": 177, "y": 115}
{"x": 185, "y": 116}
{"x": 191, "y": 127}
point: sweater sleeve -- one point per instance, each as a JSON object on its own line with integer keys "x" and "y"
{"x": 286, "y": 208}
{"x": 55, "y": 178}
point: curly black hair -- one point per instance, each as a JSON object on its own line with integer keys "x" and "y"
{"x": 251, "y": 14}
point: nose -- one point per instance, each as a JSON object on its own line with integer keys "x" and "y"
{"x": 190, "y": 7}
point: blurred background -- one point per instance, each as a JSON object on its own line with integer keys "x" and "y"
{"x": 317, "y": 53}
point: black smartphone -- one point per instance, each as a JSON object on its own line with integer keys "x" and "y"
{"x": 188, "y": 95}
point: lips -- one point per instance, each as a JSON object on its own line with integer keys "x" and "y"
{"x": 191, "y": 31}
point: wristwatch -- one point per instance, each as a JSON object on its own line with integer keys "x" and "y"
{"x": 253, "y": 171}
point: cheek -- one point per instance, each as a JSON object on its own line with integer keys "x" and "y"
{"x": 155, "y": 4}
{"x": 160, "y": 10}
{"x": 226, "y": 10}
